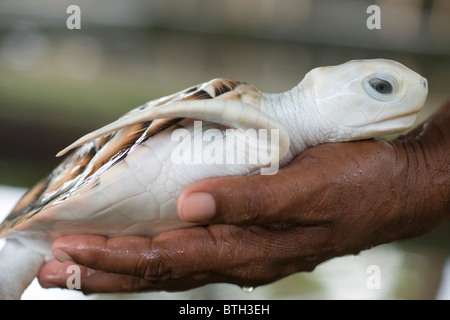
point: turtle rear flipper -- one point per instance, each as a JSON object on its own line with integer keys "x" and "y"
{"x": 19, "y": 265}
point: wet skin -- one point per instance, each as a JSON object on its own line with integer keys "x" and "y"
{"x": 332, "y": 200}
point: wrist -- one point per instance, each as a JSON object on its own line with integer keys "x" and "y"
{"x": 424, "y": 168}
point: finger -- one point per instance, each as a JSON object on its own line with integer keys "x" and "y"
{"x": 55, "y": 274}
{"x": 257, "y": 199}
{"x": 191, "y": 257}
{"x": 149, "y": 258}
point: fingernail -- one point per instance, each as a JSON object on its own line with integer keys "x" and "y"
{"x": 61, "y": 256}
{"x": 198, "y": 206}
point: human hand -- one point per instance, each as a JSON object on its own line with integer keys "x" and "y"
{"x": 332, "y": 200}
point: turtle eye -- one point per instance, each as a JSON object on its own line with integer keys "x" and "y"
{"x": 381, "y": 86}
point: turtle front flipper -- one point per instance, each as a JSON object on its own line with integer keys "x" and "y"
{"x": 19, "y": 265}
{"x": 232, "y": 113}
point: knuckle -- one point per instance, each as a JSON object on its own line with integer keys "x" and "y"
{"x": 152, "y": 267}
{"x": 251, "y": 212}
{"x": 253, "y": 206}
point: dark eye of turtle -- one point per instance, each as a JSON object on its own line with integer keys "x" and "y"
{"x": 381, "y": 86}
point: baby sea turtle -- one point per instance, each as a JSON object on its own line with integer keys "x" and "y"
{"x": 124, "y": 179}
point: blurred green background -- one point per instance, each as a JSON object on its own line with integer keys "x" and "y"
{"x": 57, "y": 84}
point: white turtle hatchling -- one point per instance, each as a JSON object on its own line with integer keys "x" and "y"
{"x": 123, "y": 179}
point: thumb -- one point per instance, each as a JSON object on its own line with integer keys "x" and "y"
{"x": 257, "y": 199}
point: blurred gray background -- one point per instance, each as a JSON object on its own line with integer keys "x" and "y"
{"x": 57, "y": 84}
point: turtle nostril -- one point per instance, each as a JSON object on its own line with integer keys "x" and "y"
{"x": 424, "y": 83}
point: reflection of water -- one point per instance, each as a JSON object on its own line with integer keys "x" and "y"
{"x": 384, "y": 272}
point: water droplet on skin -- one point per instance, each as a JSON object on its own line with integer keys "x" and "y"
{"x": 248, "y": 289}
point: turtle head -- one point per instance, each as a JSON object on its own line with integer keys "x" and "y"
{"x": 367, "y": 98}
